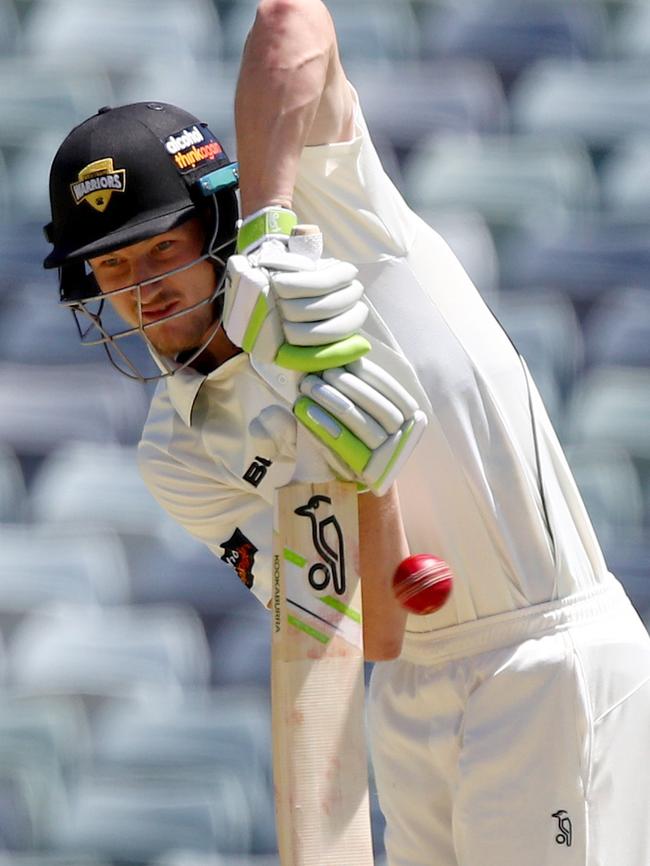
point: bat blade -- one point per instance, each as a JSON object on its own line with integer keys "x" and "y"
{"x": 319, "y": 748}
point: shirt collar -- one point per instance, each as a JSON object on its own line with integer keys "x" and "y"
{"x": 183, "y": 386}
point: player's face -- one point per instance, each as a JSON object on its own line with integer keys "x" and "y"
{"x": 162, "y": 297}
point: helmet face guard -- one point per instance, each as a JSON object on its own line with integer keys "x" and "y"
{"x": 126, "y": 175}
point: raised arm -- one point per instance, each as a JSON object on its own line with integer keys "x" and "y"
{"x": 291, "y": 92}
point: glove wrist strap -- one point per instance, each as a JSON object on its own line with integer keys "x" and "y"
{"x": 265, "y": 224}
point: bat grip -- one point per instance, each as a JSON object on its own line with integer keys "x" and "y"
{"x": 307, "y": 240}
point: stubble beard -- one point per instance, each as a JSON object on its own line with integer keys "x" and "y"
{"x": 190, "y": 336}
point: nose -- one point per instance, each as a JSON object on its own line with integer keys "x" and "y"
{"x": 144, "y": 271}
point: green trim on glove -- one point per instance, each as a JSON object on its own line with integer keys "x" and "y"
{"x": 406, "y": 435}
{"x": 346, "y": 445}
{"x": 314, "y": 359}
{"x": 270, "y": 222}
{"x": 257, "y": 319}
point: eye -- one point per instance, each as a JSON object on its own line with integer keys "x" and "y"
{"x": 164, "y": 246}
{"x": 111, "y": 262}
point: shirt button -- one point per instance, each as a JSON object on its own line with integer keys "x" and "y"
{"x": 282, "y": 380}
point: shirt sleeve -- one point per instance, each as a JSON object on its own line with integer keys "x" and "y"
{"x": 235, "y": 525}
{"x": 343, "y": 188}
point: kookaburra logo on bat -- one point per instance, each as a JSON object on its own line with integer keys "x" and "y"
{"x": 328, "y": 540}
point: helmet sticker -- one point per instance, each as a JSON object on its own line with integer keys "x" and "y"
{"x": 97, "y": 182}
{"x": 192, "y": 147}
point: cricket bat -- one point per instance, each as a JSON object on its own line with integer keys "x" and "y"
{"x": 317, "y": 683}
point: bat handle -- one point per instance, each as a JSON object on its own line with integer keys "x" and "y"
{"x": 307, "y": 240}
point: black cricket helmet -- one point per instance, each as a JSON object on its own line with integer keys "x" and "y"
{"x": 124, "y": 175}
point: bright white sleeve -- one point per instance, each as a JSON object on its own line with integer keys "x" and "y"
{"x": 234, "y": 524}
{"x": 343, "y": 188}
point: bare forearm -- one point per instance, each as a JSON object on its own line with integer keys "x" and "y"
{"x": 290, "y": 92}
{"x": 383, "y": 546}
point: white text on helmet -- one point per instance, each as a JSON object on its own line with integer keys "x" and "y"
{"x": 186, "y": 139}
{"x": 106, "y": 181}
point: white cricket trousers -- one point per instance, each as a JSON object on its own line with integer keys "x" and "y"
{"x": 532, "y": 752}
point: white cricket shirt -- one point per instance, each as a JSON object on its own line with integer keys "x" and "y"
{"x": 214, "y": 448}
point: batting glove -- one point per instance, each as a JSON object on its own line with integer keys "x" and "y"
{"x": 286, "y": 305}
{"x": 365, "y": 417}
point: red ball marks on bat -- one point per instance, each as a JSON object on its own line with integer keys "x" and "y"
{"x": 422, "y": 583}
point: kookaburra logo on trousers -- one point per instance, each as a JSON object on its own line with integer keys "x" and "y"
{"x": 328, "y": 541}
{"x": 564, "y": 837}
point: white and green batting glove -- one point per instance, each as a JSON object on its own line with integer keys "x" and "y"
{"x": 365, "y": 417}
{"x": 284, "y": 304}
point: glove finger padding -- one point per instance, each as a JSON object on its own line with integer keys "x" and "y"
{"x": 386, "y": 384}
{"x": 382, "y": 408}
{"x": 334, "y": 401}
{"x": 322, "y": 307}
{"x": 328, "y": 330}
{"x": 324, "y": 277}
{"x": 371, "y": 423}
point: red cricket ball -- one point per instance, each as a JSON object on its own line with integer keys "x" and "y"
{"x": 422, "y": 583}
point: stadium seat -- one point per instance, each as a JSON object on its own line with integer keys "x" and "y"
{"x": 377, "y": 30}
{"x": 55, "y": 29}
{"x": 617, "y": 330}
{"x": 35, "y": 329}
{"x": 192, "y": 858}
{"x": 206, "y": 734}
{"x": 600, "y": 102}
{"x": 134, "y": 820}
{"x": 22, "y": 250}
{"x": 202, "y": 87}
{"x": 55, "y": 563}
{"x": 512, "y": 34}
{"x": 4, "y": 189}
{"x": 29, "y": 173}
{"x": 381, "y": 31}
{"x": 425, "y": 98}
{"x": 99, "y": 652}
{"x": 631, "y": 31}
{"x": 469, "y": 237}
{"x": 611, "y": 489}
{"x": 584, "y": 258}
{"x": 32, "y": 788}
{"x": 45, "y": 406}
{"x": 3, "y": 661}
{"x": 630, "y": 562}
{"x": 39, "y": 96}
{"x": 98, "y": 485}
{"x": 545, "y": 329}
{"x": 625, "y": 178}
{"x": 510, "y": 180}
{"x": 611, "y": 405}
{"x": 17, "y": 813}
{"x": 49, "y": 858}
{"x": 60, "y": 723}
{"x": 10, "y": 30}
{"x": 240, "y": 648}
{"x": 12, "y": 487}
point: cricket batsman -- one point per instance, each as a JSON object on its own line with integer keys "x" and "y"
{"x": 508, "y": 728}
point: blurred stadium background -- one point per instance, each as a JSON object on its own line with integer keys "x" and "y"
{"x": 133, "y": 665}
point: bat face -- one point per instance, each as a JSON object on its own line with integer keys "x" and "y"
{"x": 320, "y": 761}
